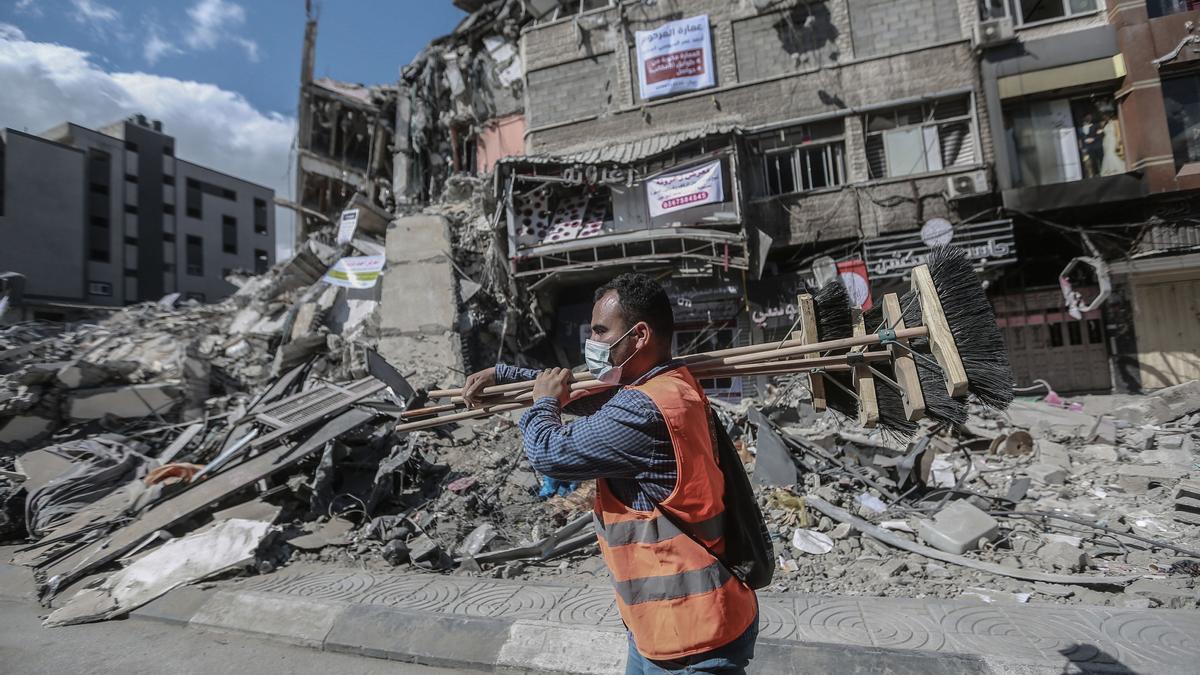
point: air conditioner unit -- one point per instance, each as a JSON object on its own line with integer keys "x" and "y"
{"x": 967, "y": 185}
{"x": 994, "y": 32}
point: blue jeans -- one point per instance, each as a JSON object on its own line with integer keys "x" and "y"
{"x": 732, "y": 658}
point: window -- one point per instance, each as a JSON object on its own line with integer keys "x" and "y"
{"x": 1181, "y": 97}
{"x": 809, "y": 158}
{"x": 132, "y": 241}
{"x": 168, "y": 267}
{"x": 229, "y": 234}
{"x": 260, "y": 216}
{"x": 131, "y": 273}
{"x": 921, "y": 139}
{"x": 99, "y": 221}
{"x": 99, "y": 288}
{"x": 194, "y": 198}
{"x": 168, "y": 179}
{"x": 131, "y": 146}
{"x": 98, "y": 188}
{"x": 1063, "y": 140}
{"x": 1158, "y": 8}
{"x": 169, "y": 209}
{"x": 229, "y": 194}
{"x": 168, "y": 150}
{"x": 168, "y": 237}
{"x": 131, "y": 208}
{"x": 98, "y": 253}
{"x": 2, "y": 151}
{"x": 131, "y": 178}
{"x": 1032, "y": 11}
{"x": 261, "y": 262}
{"x": 195, "y": 256}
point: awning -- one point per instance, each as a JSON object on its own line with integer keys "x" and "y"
{"x": 625, "y": 151}
{"x": 1089, "y": 72}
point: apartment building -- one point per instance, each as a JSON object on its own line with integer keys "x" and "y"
{"x": 110, "y": 217}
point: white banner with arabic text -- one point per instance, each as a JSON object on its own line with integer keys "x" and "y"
{"x": 685, "y": 189}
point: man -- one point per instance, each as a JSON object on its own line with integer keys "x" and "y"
{"x": 660, "y": 491}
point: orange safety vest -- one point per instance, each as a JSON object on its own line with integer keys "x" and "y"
{"x": 675, "y": 597}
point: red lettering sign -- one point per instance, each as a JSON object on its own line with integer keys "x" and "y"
{"x": 687, "y": 63}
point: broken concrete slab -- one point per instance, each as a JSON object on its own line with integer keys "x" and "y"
{"x": 1045, "y": 420}
{"x": 142, "y": 400}
{"x": 177, "y": 562}
{"x": 958, "y": 528}
{"x": 1164, "y": 405}
{"x": 1047, "y": 474}
{"x": 1098, "y": 453}
{"x": 25, "y": 429}
{"x": 1062, "y": 555}
{"x": 1049, "y": 452}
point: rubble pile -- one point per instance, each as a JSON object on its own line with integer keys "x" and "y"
{"x": 1095, "y": 493}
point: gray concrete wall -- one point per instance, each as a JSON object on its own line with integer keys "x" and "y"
{"x": 570, "y": 91}
{"x": 419, "y": 307}
{"x": 888, "y": 26}
{"x": 40, "y": 234}
{"x": 111, "y": 272}
{"x": 208, "y": 227}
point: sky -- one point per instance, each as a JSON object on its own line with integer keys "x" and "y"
{"x": 222, "y": 75}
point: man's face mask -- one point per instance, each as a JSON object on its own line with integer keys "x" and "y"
{"x": 598, "y": 356}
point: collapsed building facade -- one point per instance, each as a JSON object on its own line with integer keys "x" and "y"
{"x": 838, "y": 138}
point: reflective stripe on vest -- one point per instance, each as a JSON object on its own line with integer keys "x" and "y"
{"x": 676, "y": 598}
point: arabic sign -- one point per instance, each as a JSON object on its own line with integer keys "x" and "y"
{"x": 675, "y": 57}
{"x": 853, "y": 274}
{"x": 355, "y": 272}
{"x": 892, "y": 256}
{"x": 772, "y": 301}
{"x": 685, "y": 189}
{"x": 697, "y": 300}
{"x": 347, "y": 225}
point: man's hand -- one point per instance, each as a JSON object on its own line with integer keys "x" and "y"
{"x": 472, "y": 390}
{"x": 554, "y": 382}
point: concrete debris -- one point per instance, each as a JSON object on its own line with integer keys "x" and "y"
{"x": 958, "y": 528}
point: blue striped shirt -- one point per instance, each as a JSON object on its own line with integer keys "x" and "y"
{"x": 621, "y": 437}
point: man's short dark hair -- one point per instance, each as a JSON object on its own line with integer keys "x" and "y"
{"x": 641, "y": 298}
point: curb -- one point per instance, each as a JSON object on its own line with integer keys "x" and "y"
{"x": 508, "y": 645}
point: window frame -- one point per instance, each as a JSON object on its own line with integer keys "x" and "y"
{"x": 928, "y": 112}
{"x": 1019, "y": 21}
{"x": 832, "y": 148}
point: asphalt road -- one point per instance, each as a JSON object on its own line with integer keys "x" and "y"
{"x": 134, "y": 647}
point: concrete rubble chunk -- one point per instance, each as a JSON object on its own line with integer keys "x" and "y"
{"x": 1163, "y": 594}
{"x": 1187, "y": 502}
{"x": 1162, "y": 406}
{"x": 1063, "y": 556}
{"x": 142, "y": 400}
{"x": 1047, "y": 474}
{"x": 958, "y": 528}
{"x": 1049, "y": 452}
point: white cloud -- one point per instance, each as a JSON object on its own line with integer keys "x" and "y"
{"x": 216, "y": 20}
{"x": 212, "y": 126}
{"x": 11, "y": 32}
{"x": 29, "y": 7}
{"x": 156, "y": 47}
{"x": 87, "y": 11}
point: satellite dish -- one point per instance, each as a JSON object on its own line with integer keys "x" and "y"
{"x": 824, "y": 270}
{"x": 937, "y": 232}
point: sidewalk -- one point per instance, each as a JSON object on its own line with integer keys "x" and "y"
{"x": 513, "y": 626}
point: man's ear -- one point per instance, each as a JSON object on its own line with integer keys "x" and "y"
{"x": 645, "y": 335}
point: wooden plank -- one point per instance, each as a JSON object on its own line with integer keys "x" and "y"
{"x": 808, "y": 335}
{"x": 198, "y": 497}
{"x": 180, "y": 443}
{"x": 941, "y": 340}
{"x": 904, "y": 365}
{"x": 868, "y": 404}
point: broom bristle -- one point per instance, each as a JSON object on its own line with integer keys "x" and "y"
{"x": 972, "y": 323}
{"x": 831, "y": 304}
{"x": 889, "y": 401}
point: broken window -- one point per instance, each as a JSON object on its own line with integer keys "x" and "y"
{"x": 194, "y": 255}
{"x": 229, "y": 234}
{"x": 1157, "y": 8}
{"x": 1065, "y": 139}
{"x": 921, "y": 138}
{"x": 1181, "y": 98}
{"x": 260, "y": 216}
{"x": 1032, "y": 11}
{"x": 801, "y": 159}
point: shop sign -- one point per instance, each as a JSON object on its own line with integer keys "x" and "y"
{"x": 685, "y": 189}
{"x": 989, "y": 244}
{"x": 675, "y": 57}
